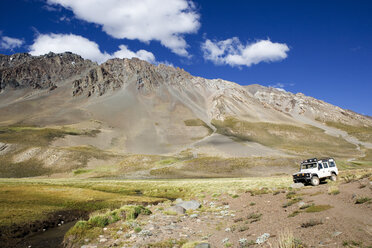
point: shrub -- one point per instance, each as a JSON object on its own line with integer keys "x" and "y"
{"x": 294, "y": 213}
{"x": 333, "y": 190}
{"x": 317, "y": 208}
{"x": 311, "y": 223}
{"x": 362, "y": 200}
{"x": 254, "y": 217}
{"x": 287, "y": 240}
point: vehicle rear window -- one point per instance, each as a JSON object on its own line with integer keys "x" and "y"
{"x": 309, "y": 166}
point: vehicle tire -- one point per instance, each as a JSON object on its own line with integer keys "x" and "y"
{"x": 315, "y": 181}
{"x": 333, "y": 177}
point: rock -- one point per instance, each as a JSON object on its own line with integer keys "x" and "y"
{"x": 225, "y": 240}
{"x": 105, "y": 229}
{"x": 297, "y": 185}
{"x": 228, "y": 229}
{"x": 301, "y": 204}
{"x": 128, "y": 235}
{"x": 353, "y": 196}
{"x": 119, "y": 232}
{"x": 243, "y": 242}
{"x": 178, "y": 200}
{"x": 177, "y": 209}
{"x": 145, "y": 233}
{"x": 335, "y": 234}
{"x": 263, "y": 238}
{"x": 88, "y": 246}
{"x": 189, "y": 205}
{"x": 103, "y": 240}
{"x": 203, "y": 245}
{"x": 194, "y": 216}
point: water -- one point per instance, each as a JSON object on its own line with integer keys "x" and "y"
{"x": 51, "y": 238}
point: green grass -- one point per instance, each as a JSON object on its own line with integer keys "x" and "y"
{"x": 294, "y": 213}
{"x": 254, "y": 217}
{"x": 83, "y": 229}
{"x": 29, "y": 168}
{"x": 362, "y": 200}
{"x": 289, "y": 138}
{"x": 37, "y": 136}
{"x": 28, "y": 200}
{"x": 317, "y": 208}
{"x": 362, "y": 133}
{"x": 333, "y": 190}
{"x": 81, "y": 171}
{"x": 198, "y": 123}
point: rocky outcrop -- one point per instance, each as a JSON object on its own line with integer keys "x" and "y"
{"x": 40, "y": 72}
{"x": 302, "y": 105}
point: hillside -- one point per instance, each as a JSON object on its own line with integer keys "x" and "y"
{"x": 62, "y": 115}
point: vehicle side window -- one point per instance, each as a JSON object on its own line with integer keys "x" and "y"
{"x": 331, "y": 164}
{"x": 320, "y": 166}
{"x": 325, "y": 165}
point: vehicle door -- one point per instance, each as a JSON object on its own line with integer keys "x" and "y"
{"x": 327, "y": 171}
{"x": 321, "y": 172}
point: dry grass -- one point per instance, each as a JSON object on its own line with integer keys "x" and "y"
{"x": 317, "y": 208}
{"x": 198, "y": 123}
{"x": 287, "y": 240}
{"x": 311, "y": 223}
{"x": 362, "y": 133}
{"x": 289, "y": 138}
{"x": 27, "y": 202}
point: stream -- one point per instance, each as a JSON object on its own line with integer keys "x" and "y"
{"x": 51, "y": 238}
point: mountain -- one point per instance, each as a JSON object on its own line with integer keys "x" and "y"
{"x": 62, "y": 115}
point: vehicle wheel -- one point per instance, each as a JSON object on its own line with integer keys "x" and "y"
{"x": 333, "y": 177}
{"x": 315, "y": 181}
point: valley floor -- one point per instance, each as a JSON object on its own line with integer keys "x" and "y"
{"x": 233, "y": 213}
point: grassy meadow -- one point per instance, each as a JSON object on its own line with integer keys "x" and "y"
{"x": 27, "y": 200}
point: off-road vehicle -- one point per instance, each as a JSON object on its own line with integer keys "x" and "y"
{"x": 315, "y": 170}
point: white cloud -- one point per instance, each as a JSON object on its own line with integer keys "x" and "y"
{"x": 278, "y": 86}
{"x": 59, "y": 43}
{"x": 166, "y": 21}
{"x": 232, "y": 52}
{"x": 9, "y": 43}
{"x": 124, "y": 52}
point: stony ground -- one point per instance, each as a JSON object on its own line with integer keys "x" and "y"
{"x": 324, "y": 216}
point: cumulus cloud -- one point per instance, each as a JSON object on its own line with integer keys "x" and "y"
{"x": 9, "y": 43}
{"x": 232, "y": 52}
{"x": 166, "y": 21}
{"x": 59, "y": 43}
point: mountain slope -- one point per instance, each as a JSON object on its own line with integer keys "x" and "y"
{"x": 125, "y": 107}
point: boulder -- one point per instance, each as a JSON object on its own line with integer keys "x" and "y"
{"x": 263, "y": 238}
{"x": 203, "y": 245}
{"x": 177, "y": 209}
{"x": 189, "y": 205}
{"x": 297, "y": 185}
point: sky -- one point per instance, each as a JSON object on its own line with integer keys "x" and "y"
{"x": 320, "y": 48}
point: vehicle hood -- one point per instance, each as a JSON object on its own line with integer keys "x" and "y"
{"x": 304, "y": 171}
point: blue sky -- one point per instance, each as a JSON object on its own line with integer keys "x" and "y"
{"x": 320, "y": 48}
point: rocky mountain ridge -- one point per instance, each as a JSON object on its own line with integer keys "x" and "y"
{"x": 129, "y": 106}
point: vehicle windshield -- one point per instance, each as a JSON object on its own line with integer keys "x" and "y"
{"x": 308, "y": 166}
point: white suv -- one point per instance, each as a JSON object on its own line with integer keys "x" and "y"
{"x": 316, "y": 169}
